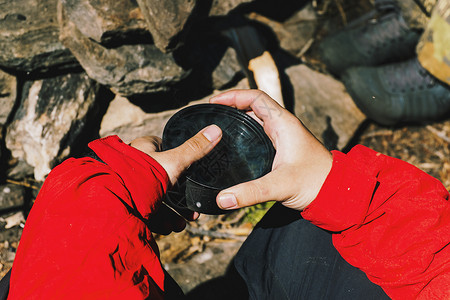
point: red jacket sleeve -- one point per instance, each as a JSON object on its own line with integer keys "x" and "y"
{"x": 85, "y": 237}
{"x": 389, "y": 219}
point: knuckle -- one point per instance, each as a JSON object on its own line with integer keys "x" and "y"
{"x": 257, "y": 191}
{"x": 194, "y": 145}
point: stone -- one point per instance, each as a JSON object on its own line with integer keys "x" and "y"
{"x": 214, "y": 62}
{"x": 227, "y": 69}
{"x": 105, "y": 21}
{"x": 14, "y": 220}
{"x": 223, "y": 7}
{"x": 51, "y": 117}
{"x": 129, "y": 121}
{"x": 29, "y": 37}
{"x": 127, "y": 69}
{"x": 20, "y": 169}
{"x": 166, "y": 20}
{"x": 324, "y": 106}
{"x": 296, "y": 33}
{"x": 11, "y": 196}
{"x": 8, "y": 92}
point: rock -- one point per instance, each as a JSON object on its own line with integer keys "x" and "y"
{"x": 11, "y": 196}
{"x": 166, "y": 20}
{"x": 227, "y": 69}
{"x": 20, "y": 169}
{"x": 14, "y": 220}
{"x": 323, "y": 105}
{"x": 127, "y": 69}
{"x": 295, "y": 34}
{"x": 51, "y": 116}
{"x": 223, "y": 7}
{"x": 105, "y": 20}
{"x": 29, "y": 37}
{"x": 8, "y": 92}
{"x": 129, "y": 121}
{"x": 214, "y": 61}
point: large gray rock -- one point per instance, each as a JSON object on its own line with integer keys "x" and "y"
{"x": 51, "y": 116}
{"x": 105, "y": 20}
{"x": 129, "y": 121}
{"x": 8, "y": 92}
{"x": 323, "y": 105}
{"x": 166, "y": 20}
{"x": 29, "y": 37}
{"x": 127, "y": 69}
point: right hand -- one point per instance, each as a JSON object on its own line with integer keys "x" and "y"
{"x": 301, "y": 162}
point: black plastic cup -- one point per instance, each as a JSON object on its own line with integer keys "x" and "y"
{"x": 244, "y": 153}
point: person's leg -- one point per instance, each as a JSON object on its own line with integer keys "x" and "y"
{"x": 172, "y": 291}
{"x": 4, "y": 286}
{"x": 398, "y": 93}
{"x": 286, "y": 257}
{"x": 379, "y": 37}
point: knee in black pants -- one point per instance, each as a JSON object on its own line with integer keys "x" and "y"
{"x": 286, "y": 257}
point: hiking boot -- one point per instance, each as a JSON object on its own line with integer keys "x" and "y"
{"x": 382, "y": 36}
{"x": 401, "y": 92}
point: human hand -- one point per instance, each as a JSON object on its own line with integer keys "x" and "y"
{"x": 301, "y": 162}
{"x": 175, "y": 161}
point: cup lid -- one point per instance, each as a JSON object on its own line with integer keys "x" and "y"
{"x": 244, "y": 153}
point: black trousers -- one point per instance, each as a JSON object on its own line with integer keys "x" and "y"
{"x": 286, "y": 257}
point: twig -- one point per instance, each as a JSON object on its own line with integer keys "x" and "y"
{"x": 377, "y": 133}
{"x": 323, "y": 9}
{"x": 22, "y": 183}
{"x": 305, "y": 47}
{"x": 439, "y": 134}
{"x": 235, "y": 219}
{"x": 341, "y": 11}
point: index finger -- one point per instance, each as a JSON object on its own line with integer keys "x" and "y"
{"x": 264, "y": 107}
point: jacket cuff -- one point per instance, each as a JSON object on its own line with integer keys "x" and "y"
{"x": 344, "y": 198}
{"x": 144, "y": 178}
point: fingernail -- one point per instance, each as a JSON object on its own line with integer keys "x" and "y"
{"x": 212, "y": 133}
{"x": 227, "y": 201}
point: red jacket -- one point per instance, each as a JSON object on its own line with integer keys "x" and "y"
{"x": 86, "y": 235}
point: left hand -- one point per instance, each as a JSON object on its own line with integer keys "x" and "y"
{"x": 175, "y": 162}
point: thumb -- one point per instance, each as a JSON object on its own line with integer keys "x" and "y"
{"x": 176, "y": 160}
{"x": 266, "y": 188}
